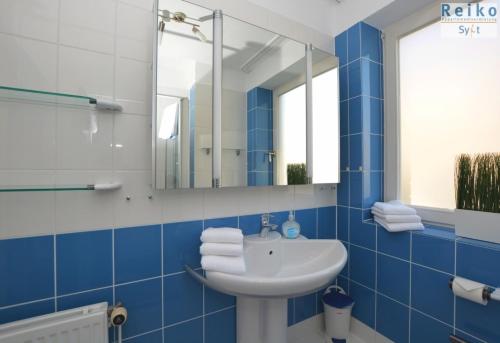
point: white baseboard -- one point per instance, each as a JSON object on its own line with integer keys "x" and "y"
{"x": 312, "y": 330}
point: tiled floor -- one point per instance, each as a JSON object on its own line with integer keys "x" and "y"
{"x": 311, "y": 331}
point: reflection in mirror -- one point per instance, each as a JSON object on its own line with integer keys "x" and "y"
{"x": 325, "y": 114}
{"x": 182, "y": 119}
{"x": 263, "y": 130}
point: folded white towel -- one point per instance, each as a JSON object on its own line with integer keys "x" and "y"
{"x": 397, "y": 218}
{"x": 393, "y": 207}
{"x": 398, "y": 227}
{"x": 223, "y": 249}
{"x": 224, "y": 264}
{"x": 222, "y": 235}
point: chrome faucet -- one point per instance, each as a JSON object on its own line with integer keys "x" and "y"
{"x": 266, "y": 226}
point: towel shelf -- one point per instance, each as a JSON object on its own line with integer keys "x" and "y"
{"x": 55, "y": 98}
{"x": 61, "y": 188}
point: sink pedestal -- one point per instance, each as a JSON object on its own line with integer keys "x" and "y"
{"x": 261, "y": 320}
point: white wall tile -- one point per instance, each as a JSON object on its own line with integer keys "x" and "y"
{"x": 134, "y": 86}
{"x": 135, "y": 31}
{"x": 325, "y": 195}
{"x": 253, "y": 200}
{"x": 84, "y": 210}
{"x": 30, "y": 18}
{"x": 139, "y": 210}
{"x": 85, "y": 73}
{"x": 88, "y": 24}
{"x": 222, "y": 202}
{"x": 132, "y": 142}
{"x": 183, "y": 204}
{"x": 144, "y": 4}
{"x": 84, "y": 139}
{"x": 26, "y": 214}
{"x": 27, "y": 136}
{"x": 281, "y": 198}
{"x": 27, "y": 63}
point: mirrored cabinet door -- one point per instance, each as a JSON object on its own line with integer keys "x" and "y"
{"x": 263, "y": 131}
{"x": 182, "y": 116}
{"x": 325, "y": 118}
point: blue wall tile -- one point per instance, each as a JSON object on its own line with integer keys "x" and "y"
{"x": 341, "y": 47}
{"x": 143, "y": 303}
{"x": 343, "y": 189}
{"x": 478, "y": 320}
{"x": 355, "y": 115}
{"x": 84, "y": 261}
{"x": 215, "y": 322}
{"x": 221, "y": 222}
{"x": 373, "y": 121}
{"x": 305, "y": 307}
{"x": 356, "y": 189}
{"x": 327, "y": 222}
{"x": 426, "y": 329}
{"x": 344, "y": 118}
{"x": 26, "y": 269}
{"x": 371, "y": 81}
{"x": 434, "y": 252}
{"x": 307, "y": 220}
{"x": 430, "y": 293}
{"x": 187, "y": 332}
{"x": 393, "y": 278}
{"x": 343, "y": 83}
{"x": 376, "y": 152}
{"x": 370, "y": 43}
{"x": 215, "y": 301}
{"x": 353, "y": 42}
{"x": 354, "y": 82}
{"x": 137, "y": 253}
{"x": 181, "y": 244}
{"x": 343, "y": 223}
{"x": 372, "y": 188}
{"x": 85, "y": 298}
{"x": 392, "y": 319}
{"x": 361, "y": 233}
{"x": 355, "y": 152}
{"x": 362, "y": 266}
{"x": 478, "y": 263}
{"x": 344, "y": 153}
{"x": 182, "y": 297}
{"x": 291, "y": 311}
{"x": 394, "y": 243}
{"x": 364, "y": 303}
{"x": 38, "y": 308}
{"x": 251, "y": 224}
{"x": 152, "y": 337}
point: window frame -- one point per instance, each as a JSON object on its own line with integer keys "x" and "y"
{"x": 392, "y": 110}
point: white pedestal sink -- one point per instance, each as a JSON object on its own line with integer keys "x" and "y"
{"x": 277, "y": 269}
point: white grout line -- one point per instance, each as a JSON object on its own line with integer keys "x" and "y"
{"x": 25, "y": 303}
{"x": 410, "y": 290}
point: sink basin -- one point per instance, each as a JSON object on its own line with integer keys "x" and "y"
{"x": 277, "y": 269}
{"x": 285, "y": 268}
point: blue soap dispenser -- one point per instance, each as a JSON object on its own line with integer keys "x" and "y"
{"x": 290, "y": 228}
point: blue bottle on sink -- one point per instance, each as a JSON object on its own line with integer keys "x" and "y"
{"x": 290, "y": 228}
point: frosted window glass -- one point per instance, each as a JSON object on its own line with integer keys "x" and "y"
{"x": 326, "y": 127}
{"x": 450, "y": 104}
{"x": 292, "y": 113}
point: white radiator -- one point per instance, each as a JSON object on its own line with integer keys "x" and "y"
{"x": 87, "y": 324}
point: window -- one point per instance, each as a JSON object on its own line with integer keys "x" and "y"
{"x": 449, "y": 104}
{"x": 292, "y": 112}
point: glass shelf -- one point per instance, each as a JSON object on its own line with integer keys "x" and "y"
{"x": 45, "y": 188}
{"x": 33, "y": 95}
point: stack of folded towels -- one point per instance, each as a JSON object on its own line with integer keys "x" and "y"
{"x": 222, "y": 250}
{"x": 394, "y": 216}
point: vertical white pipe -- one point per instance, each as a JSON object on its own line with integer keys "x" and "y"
{"x": 309, "y": 115}
{"x": 217, "y": 100}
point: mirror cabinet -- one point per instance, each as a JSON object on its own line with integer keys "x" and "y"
{"x": 236, "y": 105}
